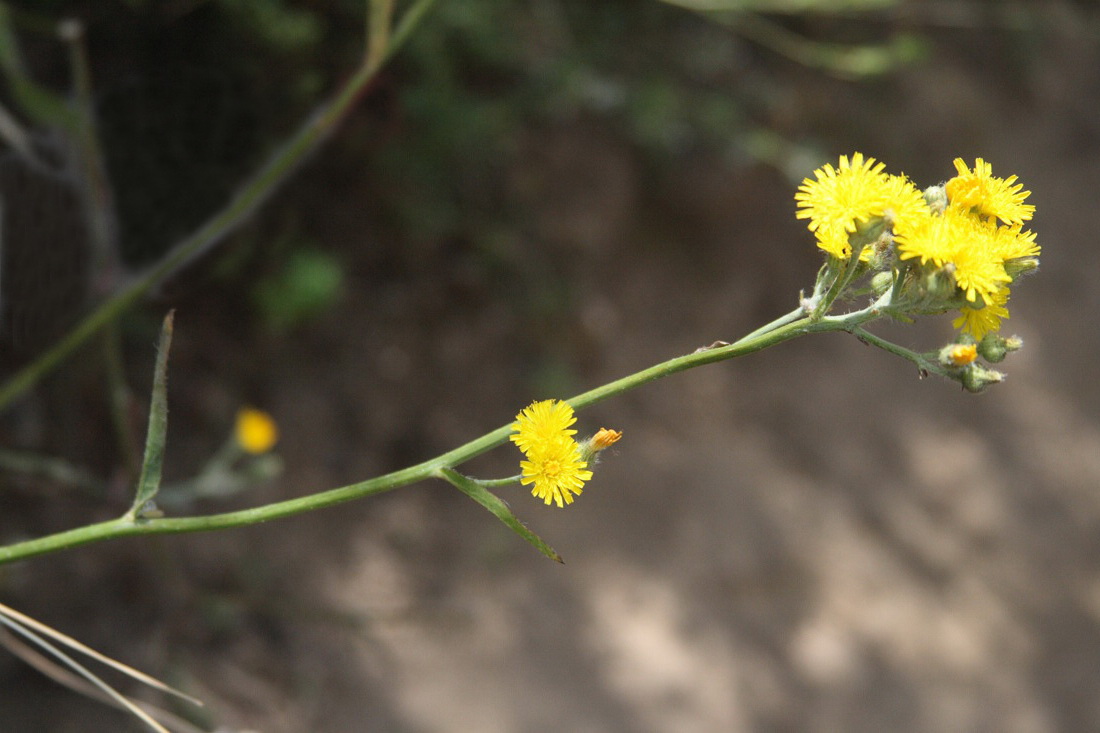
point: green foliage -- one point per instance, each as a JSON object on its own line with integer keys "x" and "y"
{"x": 307, "y": 285}
{"x": 281, "y": 27}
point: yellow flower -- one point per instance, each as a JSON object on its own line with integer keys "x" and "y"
{"x": 980, "y": 321}
{"x": 932, "y": 238}
{"x": 979, "y": 269}
{"x": 839, "y": 199}
{"x": 1013, "y": 243}
{"x": 555, "y": 462}
{"x": 970, "y": 246}
{"x": 256, "y": 431}
{"x": 604, "y": 438}
{"x": 962, "y": 354}
{"x": 542, "y": 421}
{"x": 556, "y": 469}
{"x": 988, "y": 195}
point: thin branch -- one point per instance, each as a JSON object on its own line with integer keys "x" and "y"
{"x": 255, "y": 192}
{"x": 125, "y": 527}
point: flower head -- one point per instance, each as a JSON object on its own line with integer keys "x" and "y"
{"x": 556, "y": 469}
{"x": 979, "y": 321}
{"x": 932, "y": 239}
{"x": 542, "y": 421}
{"x": 555, "y": 464}
{"x": 255, "y": 431}
{"x": 839, "y": 199}
{"x": 990, "y": 196}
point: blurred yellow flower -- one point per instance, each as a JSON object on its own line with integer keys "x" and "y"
{"x": 905, "y": 205}
{"x": 256, "y": 431}
{"x": 975, "y": 249}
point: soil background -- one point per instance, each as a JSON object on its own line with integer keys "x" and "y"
{"x": 811, "y": 538}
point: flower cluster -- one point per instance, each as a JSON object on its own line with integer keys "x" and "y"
{"x": 968, "y": 231}
{"x": 557, "y": 465}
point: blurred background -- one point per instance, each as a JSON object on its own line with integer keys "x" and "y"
{"x": 536, "y": 197}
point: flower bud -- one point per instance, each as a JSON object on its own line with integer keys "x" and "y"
{"x": 1021, "y": 266}
{"x": 958, "y": 355}
{"x": 936, "y": 196}
{"x": 994, "y": 347}
{"x": 881, "y": 282}
{"x": 603, "y": 439}
{"x": 976, "y": 378}
{"x": 940, "y": 284}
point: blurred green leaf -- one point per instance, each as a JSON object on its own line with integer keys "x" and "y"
{"x": 308, "y": 284}
{"x": 281, "y": 26}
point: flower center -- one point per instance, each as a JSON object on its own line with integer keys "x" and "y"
{"x": 551, "y": 469}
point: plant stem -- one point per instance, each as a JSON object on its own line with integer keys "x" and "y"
{"x": 923, "y": 362}
{"x": 248, "y": 198}
{"x": 96, "y": 193}
{"x": 125, "y": 527}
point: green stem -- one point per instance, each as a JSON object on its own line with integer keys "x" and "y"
{"x": 128, "y": 527}
{"x": 379, "y": 21}
{"x": 53, "y": 469}
{"x": 250, "y": 196}
{"x": 840, "y": 283}
{"x": 119, "y": 400}
{"x": 96, "y": 194}
{"x": 493, "y": 483}
{"x": 923, "y": 362}
{"x": 781, "y": 321}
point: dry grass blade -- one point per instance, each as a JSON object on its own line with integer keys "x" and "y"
{"x": 27, "y": 621}
{"x": 74, "y": 682}
{"x": 84, "y": 672}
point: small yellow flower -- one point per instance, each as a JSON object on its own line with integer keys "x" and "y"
{"x": 839, "y": 199}
{"x": 905, "y": 205}
{"x": 542, "y": 421}
{"x": 603, "y": 439}
{"x": 1013, "y": 243}
{"x": 256, "y": 431}
{"x": 980, "y": 321}
{"x": 933, "y": 238}
{"x": 990, "y": 196}
{"x": 972, "y": 248}
{"x": 962, "y": 354}
{"x": 979, "y": 270}
{"x": 556, "y": 469}
{"x": 555, "y": 462}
